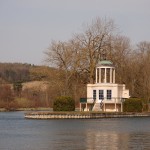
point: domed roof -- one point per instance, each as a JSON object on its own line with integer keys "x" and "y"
{"x": 105, "y": 63}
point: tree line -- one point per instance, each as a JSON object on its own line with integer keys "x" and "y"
{"x": 15, "y": 91}
{"x": 18, "y": 72}
{"x": 13, "y": 72}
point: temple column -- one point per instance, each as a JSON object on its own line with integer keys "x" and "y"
{"x": 80, "y": 106}
{"x": 113, "y": 75}
{"x": 110, "y": 75}
{"x": 99, "y": 75}
{"x": 96, "y": 75}
{"x": 115, "y": 105}
{"x": 86, "y": 107}
{"x": 121, "y": 107}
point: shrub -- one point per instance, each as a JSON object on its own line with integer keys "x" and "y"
{"x": 133, "y": 105}
{"x": 64, "y": 103}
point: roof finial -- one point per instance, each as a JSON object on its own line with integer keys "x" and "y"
{"x": 103, "y": 55}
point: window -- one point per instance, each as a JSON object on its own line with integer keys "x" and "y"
{"x": 101, "y": 94}
{"x": 109, "y": 94}
{"x": 94, "y": 94}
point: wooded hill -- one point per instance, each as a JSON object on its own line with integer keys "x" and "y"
{"x": 25, "y": 85}
{"x": 79, "y": 55}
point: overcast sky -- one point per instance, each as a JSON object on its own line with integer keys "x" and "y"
{"x": 27, "y": 27}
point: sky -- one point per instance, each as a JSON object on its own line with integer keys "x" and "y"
{"x": 27, "y": 27}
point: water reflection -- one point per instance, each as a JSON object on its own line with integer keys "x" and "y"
{"x": 98, "y": 134}
{"x": 139, "y": 141}
{"x": 117, "y": 141}
{"x": 102, "y": 140}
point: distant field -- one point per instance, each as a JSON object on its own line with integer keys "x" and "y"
{"x": 42, "y": 85}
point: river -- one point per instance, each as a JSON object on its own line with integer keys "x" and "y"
{"x": 17, "y": 133}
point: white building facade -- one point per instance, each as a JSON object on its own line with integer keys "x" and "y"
{"x": 105, "y": 95}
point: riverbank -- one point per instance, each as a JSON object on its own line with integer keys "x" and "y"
{"x": 81, "y": 115}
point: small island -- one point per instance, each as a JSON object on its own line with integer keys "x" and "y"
{"x": 105, "y": 99}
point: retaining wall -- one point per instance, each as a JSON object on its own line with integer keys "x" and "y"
{"x": 80, "y": 115}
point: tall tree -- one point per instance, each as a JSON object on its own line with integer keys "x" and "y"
{"x": 82, "y": 53}
{"x": 95, "y": 41}
{"x": 142, "y": 83}
{"x": 76, "y": 59}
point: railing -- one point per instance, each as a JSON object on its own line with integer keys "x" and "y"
{"x": 105, "y": 100}
{"x": 87, "y": 100}
{"x": 83, "y": 100}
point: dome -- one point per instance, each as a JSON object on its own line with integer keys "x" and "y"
{"x": 105, "y": 63}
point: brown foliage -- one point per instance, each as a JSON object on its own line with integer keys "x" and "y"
{"x": 6, "y": 96}
{"x": 76, "y": 59}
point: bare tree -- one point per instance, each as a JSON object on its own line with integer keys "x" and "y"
{"x": 60, "y": 55}
{"x": 120, "y": 54}
{"x": 95, "y": 41}
{"x": 143, "y": 79}
{"x": 76, "y": 59}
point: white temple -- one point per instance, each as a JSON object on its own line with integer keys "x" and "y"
{"x": 105, "y": 95}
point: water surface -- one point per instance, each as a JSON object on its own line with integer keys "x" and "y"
{"x": 17, "y": 133}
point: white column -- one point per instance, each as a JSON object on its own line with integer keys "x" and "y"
{"x": 115, "y": 105}
{"x": 96, "y": 75}
{"x": 105, "y": 76}
{"x": 110, "y": 75}
{"x": 114, "y": 76}
{"x": 80, "y": 106}
{"x": 99, "y": 75}
{"x": 121, "y": 107}
{"x": 86, "y": 107}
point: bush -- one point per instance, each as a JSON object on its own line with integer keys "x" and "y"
{"x": 64, "y": 103}
{"x": 133, "y": 105}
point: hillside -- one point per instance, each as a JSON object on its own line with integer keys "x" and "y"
{"x": 40, "y": 85}
{"x": 25, "y": 86}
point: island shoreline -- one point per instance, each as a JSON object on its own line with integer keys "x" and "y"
{"x": 82, "y": 115}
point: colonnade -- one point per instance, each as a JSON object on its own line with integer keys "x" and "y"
{"x": 105, "y": 75}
